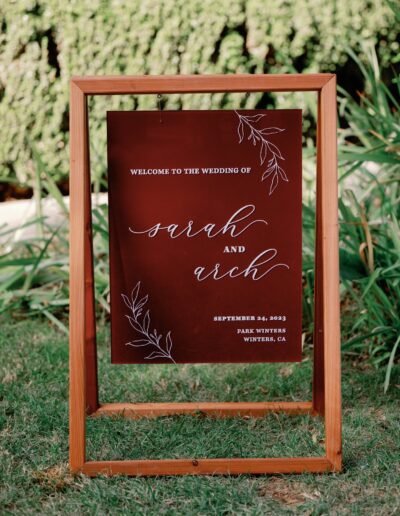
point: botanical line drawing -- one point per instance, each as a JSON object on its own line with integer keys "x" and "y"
{"x": 141, "y": 323}
{"x": 267, "y": 148}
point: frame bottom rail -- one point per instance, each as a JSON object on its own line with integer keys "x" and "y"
{"x": 216, "y": 409}
{"x": 208, "y": 466}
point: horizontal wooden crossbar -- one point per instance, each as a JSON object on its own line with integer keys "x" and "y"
{"x": 208, "y": 466}
{"x": 117, "y": 85}
{"x": 216, "y": 409}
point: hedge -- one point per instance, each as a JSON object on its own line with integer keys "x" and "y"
{"x": 44, "y": 43}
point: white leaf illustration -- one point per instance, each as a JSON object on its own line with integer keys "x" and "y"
{"x": 135, "y": 293}
{"x": 266, "y": 146}
{"x": 134, "y": 323}
{"x": 273, "y": 148}
{"x": 267, "y": 173}
{"x": 142, "y": 326}
{"x": 240, "y": 132}
{"x": 169, "y": 342}
{"x": 253, "y": 118}
{"x": 263, "y": 152}
{"x": 146, "y": 321}
{"x": 142, "y": 302}
{"x": 155, "y": 354}
{"x": 271, "y": 130}
{"x": 126, "y": 300}
{"x": 274, "y": 183}
{"x": 139, "y": 343}
{"x": 283, "y": 174}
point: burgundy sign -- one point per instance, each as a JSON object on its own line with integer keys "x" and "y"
{"x": 205, "y": 236}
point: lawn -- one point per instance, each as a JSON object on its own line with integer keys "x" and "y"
{"x": 34, "y": 474}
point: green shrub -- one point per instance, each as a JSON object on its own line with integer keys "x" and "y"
{"x": 369, "y": 214}
{"x": 44, "y": 42}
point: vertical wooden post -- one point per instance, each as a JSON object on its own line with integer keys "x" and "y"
{"x": 318, "y": 340}
{"x": 78, "y": 297}
{"x": 330, "y": 273}
{"x": 92, "y": 396}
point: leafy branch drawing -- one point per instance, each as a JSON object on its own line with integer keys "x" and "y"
{"x": 266, "y": 147}
{"x": 141, "y": 324}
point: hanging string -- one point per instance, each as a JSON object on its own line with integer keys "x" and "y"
{"x": 159, "y": 99}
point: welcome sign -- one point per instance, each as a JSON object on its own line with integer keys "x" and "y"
{"x": 205, "y": 236}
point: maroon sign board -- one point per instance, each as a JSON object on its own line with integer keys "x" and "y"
{"x": 205, "y": 236}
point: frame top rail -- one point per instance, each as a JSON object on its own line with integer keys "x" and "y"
{"x": 142, "y": 84}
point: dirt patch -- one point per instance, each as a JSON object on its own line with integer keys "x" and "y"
{"x": 288, "y": 493}
{"x": 286, "y": 371}
{"x": 56, "y": 478}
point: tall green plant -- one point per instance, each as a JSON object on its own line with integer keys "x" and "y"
{"x": 369, "y": 214}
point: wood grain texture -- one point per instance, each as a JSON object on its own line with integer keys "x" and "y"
{"x": 78, "y": 196}
{"x": 216, "y": 409}
{"x": 116, "y": 85}
{"x": 330, "y": 273}
{"x": 208, "y": 466}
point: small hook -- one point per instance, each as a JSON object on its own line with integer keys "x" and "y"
{"x": 159, "y": 99}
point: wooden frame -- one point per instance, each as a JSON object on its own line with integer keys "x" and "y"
{"x": 326, "y": 400}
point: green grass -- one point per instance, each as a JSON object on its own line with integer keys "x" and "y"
{"x": 34, "y": 477}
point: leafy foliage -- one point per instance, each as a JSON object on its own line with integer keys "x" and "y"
{"x": 370, "y": 211}
{"x": 44, "y": 42}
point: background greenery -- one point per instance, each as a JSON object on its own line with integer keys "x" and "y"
{"x": 44, "y": 42}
